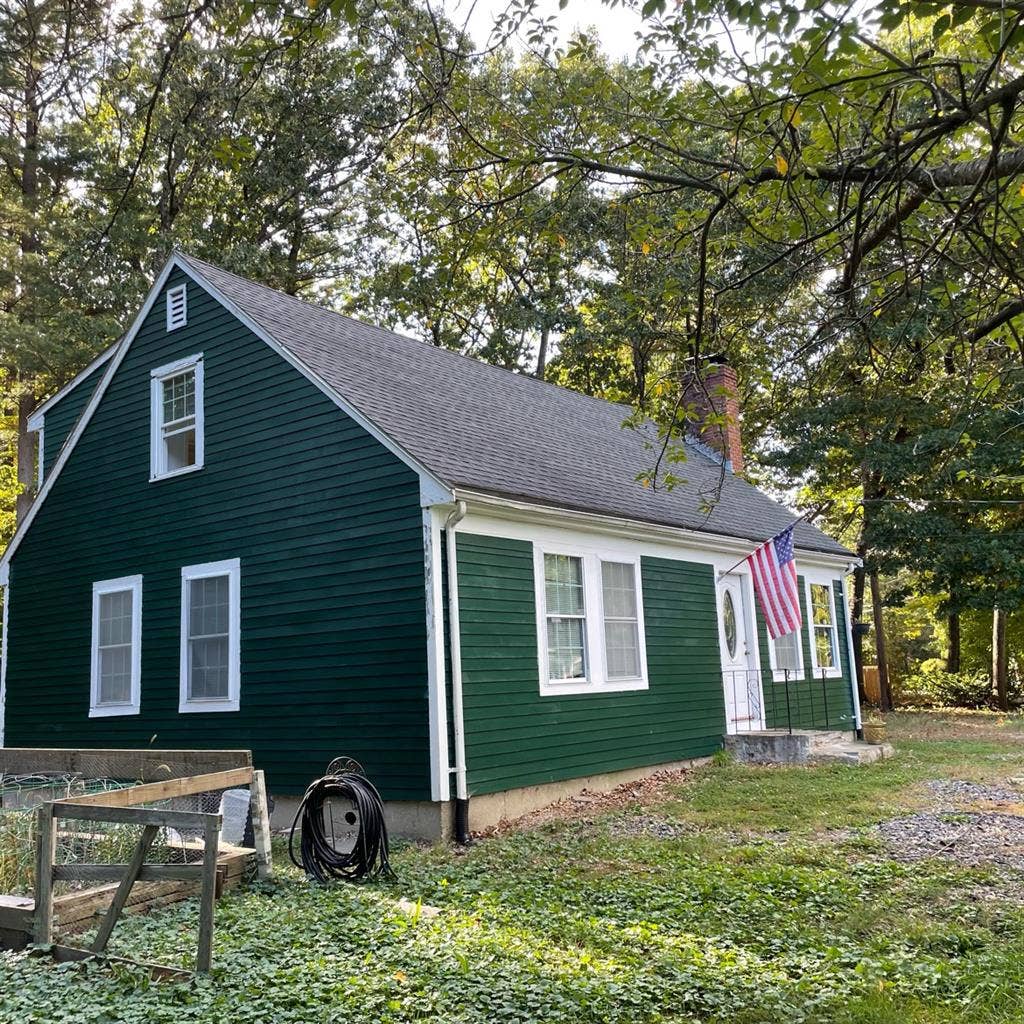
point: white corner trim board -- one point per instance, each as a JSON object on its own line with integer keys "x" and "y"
{"x": 435, "y": 490}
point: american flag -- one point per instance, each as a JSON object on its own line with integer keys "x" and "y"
{"x": 774, "y": 571}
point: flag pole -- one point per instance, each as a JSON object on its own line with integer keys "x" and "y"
{"x": 725, "y": 572}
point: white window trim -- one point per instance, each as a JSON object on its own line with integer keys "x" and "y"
{"x": 597, "y": 680}
{"x": 156, "y": 441}
{"x": 171, "y": 294}
{"x": 132, "y": 706}
{"x": 836, "y": 671}
{"x": 232, "y": 568}
{"x": 796, "y": 674}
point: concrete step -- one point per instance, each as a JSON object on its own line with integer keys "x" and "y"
{"x": 802, "y": 746}
{"x": 851, "y": 752}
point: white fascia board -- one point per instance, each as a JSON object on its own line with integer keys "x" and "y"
{"x": 119, "y": 352}
{"x": 35, "y": 420}
{"x": 509, "y": 509}
{"x": 433, "y": 489}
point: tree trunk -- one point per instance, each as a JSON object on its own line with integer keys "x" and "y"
{"x": 542, "y": 351}
{"x": 1000, "y": 668}
{"x": 857, "y": 615}
{"x": 885, "y": 696}
{"x": 25, "y": 455}
{"x": 953, "y": 654}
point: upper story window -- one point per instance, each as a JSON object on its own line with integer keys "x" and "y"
{"x": 589, "y": 622}
{"x": 116, "y": 647}
{"x": 176, "y": 416}
{"x": 824, "y": 632}
{"x": 177, "y": 307}
{"x": 210, "y": 636}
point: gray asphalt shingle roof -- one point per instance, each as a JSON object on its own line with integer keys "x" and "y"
{"x": 484, "y": 428}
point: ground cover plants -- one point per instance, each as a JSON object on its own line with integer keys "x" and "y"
{"x": 729, "y": 894}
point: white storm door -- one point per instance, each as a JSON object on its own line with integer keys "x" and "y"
{"x": 740, "y": 677}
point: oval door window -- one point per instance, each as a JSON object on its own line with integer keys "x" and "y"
{"x": 729, "y": 623}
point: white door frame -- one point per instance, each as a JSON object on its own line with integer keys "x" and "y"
{"x": 755, "y": 689}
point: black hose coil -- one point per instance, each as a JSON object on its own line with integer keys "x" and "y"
{"x": 317, "y": 855}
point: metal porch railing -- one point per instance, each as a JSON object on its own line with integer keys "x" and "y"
{"x": 760, "y": 701}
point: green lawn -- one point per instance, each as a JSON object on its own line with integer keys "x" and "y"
{"x": 739, "y": 895}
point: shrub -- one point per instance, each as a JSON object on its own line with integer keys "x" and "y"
{"x": 933, "y": 687}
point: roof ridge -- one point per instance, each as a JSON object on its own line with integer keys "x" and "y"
{"x": 188, "y": 257}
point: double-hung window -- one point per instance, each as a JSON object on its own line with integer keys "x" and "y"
{"x": 210, "y": 636}
{"x": 824, "y": 631}
{"x": 116, "y": 676}
{"x": 589, "y": 622}
{"x": 176, "y": 417}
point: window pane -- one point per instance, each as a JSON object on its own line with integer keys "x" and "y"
{"x": 787, "y": 652}
{"x": 566, "y": 658}
{"x": 181, "y": 450}
{"x": 180, "y": 396}
{"x": 208, "y": 669}
{"x": 563, "y": 584}
{"x": 115, "y": 618}
{"x": 208, "y": 606}
{"x": 618, "y": 581}
{"x": 115, "y": 684}
{"x": 823, "y": 641}
{"x": 821, "y": 606}
{"x": 622, "y": 643}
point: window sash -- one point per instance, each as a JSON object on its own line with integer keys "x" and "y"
{"x": 210, "y": 637}
{"x": 176, "y": 409}
{"x": 564, "y": 588}
{"x": 824, "y": 633}
{"x": 787, "y": 654}
{"x": 621, "y": 624}
{"x": 116, "y": 646}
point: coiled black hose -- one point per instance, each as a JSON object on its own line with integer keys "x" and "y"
{"x": 318, "y": 857}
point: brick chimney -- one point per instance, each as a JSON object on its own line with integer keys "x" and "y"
{"x": 717, "y": 393}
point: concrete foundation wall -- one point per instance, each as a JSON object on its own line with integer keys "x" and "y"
{"x": 425, "y": 820}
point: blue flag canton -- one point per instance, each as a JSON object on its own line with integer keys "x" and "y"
{"x": 784, "y": 546}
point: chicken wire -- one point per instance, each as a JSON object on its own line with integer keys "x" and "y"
{"x": 94, "y": 842}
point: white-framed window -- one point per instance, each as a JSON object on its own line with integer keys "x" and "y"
{"x": 823, "y": 628}
{"x": 177, "y": 307}
{"x": 589, "y": 621}
{"x": 176, "y": 418}
{"x": 787, "y": 656}
{"x": 116, "y": 676}
{"x": 210, "y": 636}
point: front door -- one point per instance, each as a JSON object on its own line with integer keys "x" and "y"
{"x": 740, "y": 677}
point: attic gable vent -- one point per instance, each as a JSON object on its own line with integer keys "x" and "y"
{"x": 177, "y": 307}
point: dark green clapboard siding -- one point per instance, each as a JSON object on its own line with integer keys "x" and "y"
{"x": 515, "y": 737}
{"x": 61, "y": 418}
{"x": 328, "y": 528}
{"x": 812, "y": 703}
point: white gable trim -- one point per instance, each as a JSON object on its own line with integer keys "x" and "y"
{"x": 35, "y": 420}
{"x": 432, "y": 488}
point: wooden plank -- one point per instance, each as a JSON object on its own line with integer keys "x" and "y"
{"x": 107, "y": 872}
{"x": 158, "y": 972}
{"x": 261, "y": 824}
{"x": 46, "y": 851}
{"x": 131, "y": 873}
{"x": 135, "y": 815}
{"x": 144, "y": 765}
{"x": 188, "y": 786}
{"x": 207, "y": 899}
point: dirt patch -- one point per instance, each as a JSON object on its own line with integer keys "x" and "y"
{"x": 588, "y": 805}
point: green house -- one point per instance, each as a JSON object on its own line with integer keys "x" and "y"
{"x": 263, "y": 524}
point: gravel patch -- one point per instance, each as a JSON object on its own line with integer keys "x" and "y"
{"x": 972, "y": 838}
{"x": 648, "y": 827}
{"x": 958, "y": 791}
